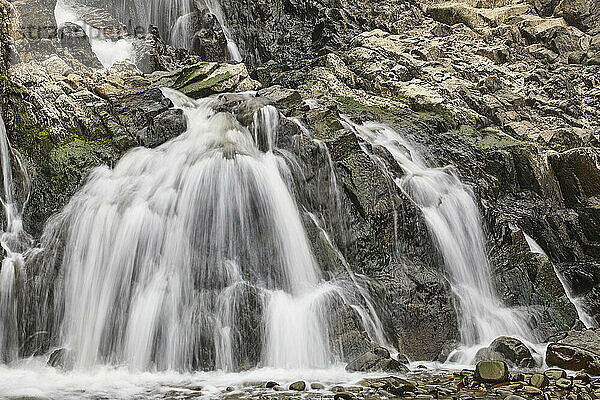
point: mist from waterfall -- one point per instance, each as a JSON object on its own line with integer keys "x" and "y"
{"x": 455, "y": 226}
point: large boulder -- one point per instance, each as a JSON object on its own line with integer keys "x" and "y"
{"x": 491, "y": 372}
{"x": 573, "y": 358}
{"x": 508, "y": 349}
{"x": 376, "y": 360}
{"x": 207, "y": 78}
{"x": 74, "y": 38}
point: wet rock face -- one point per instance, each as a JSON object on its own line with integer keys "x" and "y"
{"x": 74, "y": 38}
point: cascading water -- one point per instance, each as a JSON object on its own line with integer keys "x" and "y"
{"x": 107, "y": 50}
{"x": 192, "y": 255}
{"x": 455, "y": 225}
{"x": 215, "y": 8}
{"x": 175, "y": 20}
{"x": 13, "y": 240}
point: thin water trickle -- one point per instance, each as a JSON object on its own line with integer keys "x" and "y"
{"x": 455, "y": 225}
{"x": 13, "y": 241}
{"x": 584, "y": 317}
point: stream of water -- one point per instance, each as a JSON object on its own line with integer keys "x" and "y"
{"x": 455, "y": 225}
{"x": 14, "y": 242}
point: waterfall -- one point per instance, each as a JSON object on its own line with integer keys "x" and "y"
{"x": 13, "y": 241}
{"x": 455, "y": 225}
{"x": 107, "y": 50}
{"x": 214, "y": 6}
{"x": 584, "y": 317}
{"x": 175, "y": 21}
{"x": 193, "y": 255}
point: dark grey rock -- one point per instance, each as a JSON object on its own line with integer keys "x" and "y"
{"x": 375, "y": 360}
{"x": 573, "y": 358}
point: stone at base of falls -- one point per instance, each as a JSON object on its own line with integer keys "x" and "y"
{"x": 403, "y": 359}
{"x": 491, "y": 372}
{"x": 317, "y": 386}
{"x": 555, "y": 374}
{"x": 58, "y": 358}
{"x": 271, "y": 384}
{"x": 573, "y": 358}
{"x": 344, "y": 396}
{"x": 391, "y": 384}
{"x": 378, "y": 359}
{"x": 539, "y": 380}
{"x": 298, "y": 386}
{"x": 508, "y": 349}
{"x": 514, "y": 397}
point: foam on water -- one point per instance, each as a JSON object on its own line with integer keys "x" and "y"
{"x": 33, "y": 378}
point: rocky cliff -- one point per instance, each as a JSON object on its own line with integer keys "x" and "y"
{"x": 506, "y": 91}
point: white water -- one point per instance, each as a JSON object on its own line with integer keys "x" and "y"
{"x": 190, "y": 251}
{"x": 584, "y": 317}
{"x": 455, "y": 226}
{"x": 107, "y": 50}
{"x": 11, "y": 239}
{"x": 34, "y": 378}
{"x": 174, "y": 19}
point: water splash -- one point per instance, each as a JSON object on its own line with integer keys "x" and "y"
{"x": 174, "y": 19}
{"x": 455, "y": 225}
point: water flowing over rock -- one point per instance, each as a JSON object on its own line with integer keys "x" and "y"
{"x": 191, "y": 266}
{"x": 415, "y": 174}
{"x": 454, "y": 221}
{"x": 14, "y": 242}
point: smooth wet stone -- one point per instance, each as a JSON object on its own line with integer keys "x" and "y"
{"x": 229, "y": 389}
{"x": 344, "y": 396}
{"x": 278, "y": 388}
{"x": 336, "y": 389}
{"x": 564, "y": 383}
{"x": 298, "y": 386}
{"x": 539, "y": 380}
{"x": 271, "y": 384}
{"x": 531, "y": 390}
{"x": 317, "y": 386}
{"x": 555, "y": 374}
{"x": 573, "y": 358}
{"x": 491, "y": 372}
{"x": 583, "y": 377}
{"x": 514, "y": 397}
